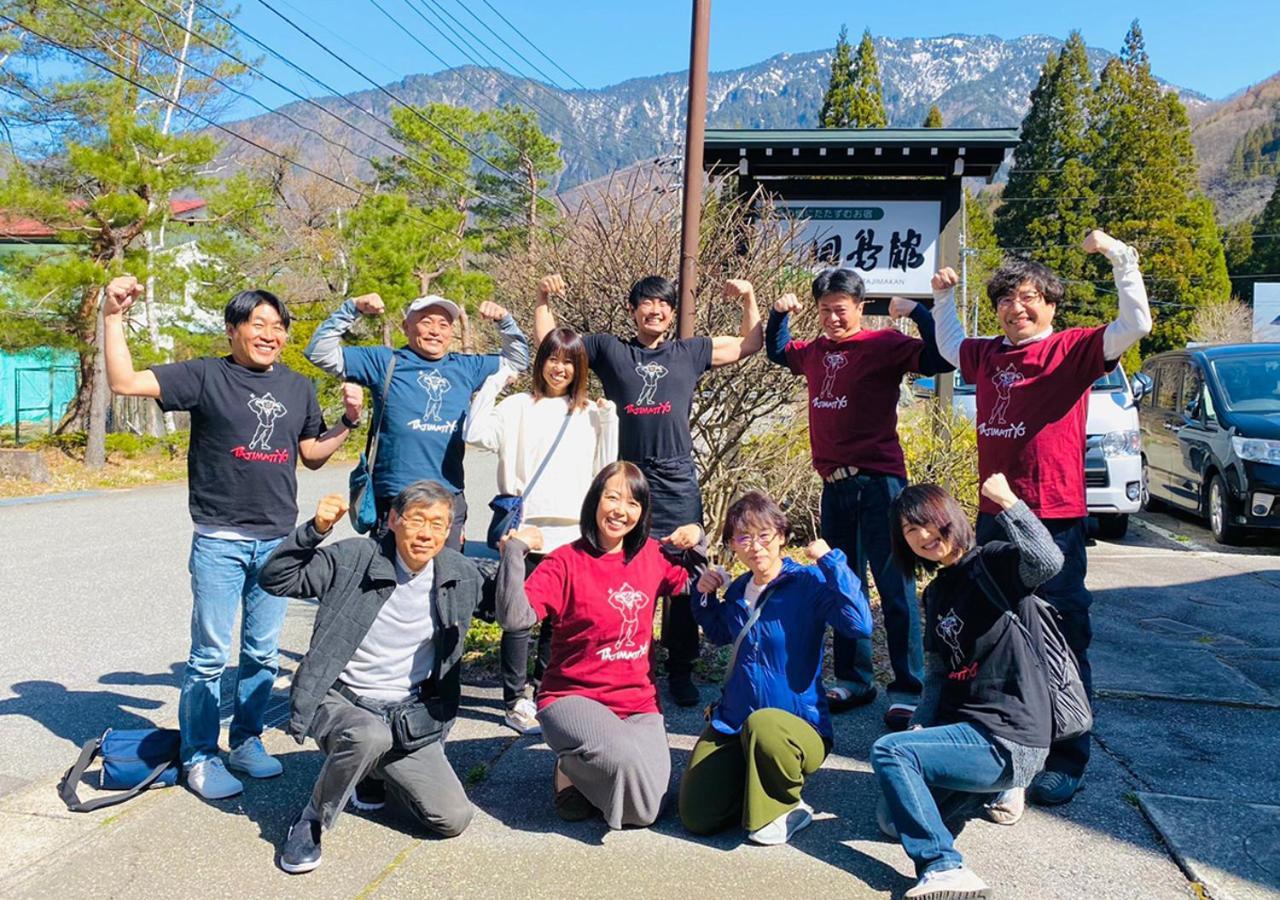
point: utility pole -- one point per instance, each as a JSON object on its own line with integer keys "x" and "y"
{"x": 695, "y": 130}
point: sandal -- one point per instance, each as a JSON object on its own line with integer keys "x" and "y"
{"x": 842, "y": 699}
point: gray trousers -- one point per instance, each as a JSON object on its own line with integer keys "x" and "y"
{"x": 357, "y": 744}
{"x": 623, "y": 766}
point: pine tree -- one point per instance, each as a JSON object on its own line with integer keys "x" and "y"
{"x": 836, "y": 100}
{"x": 1050, "y": 200}
{"x": 1149, "y": 195}
{"x": 866, "y": 102}
{"x": 984, "y": 257}
{"x": 1264, "y": 258}
{"x": 934, "y": 118}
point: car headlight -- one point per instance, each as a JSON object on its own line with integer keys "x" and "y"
{"x": 1256, "y": 449}
{"x": 1121, "y": 443}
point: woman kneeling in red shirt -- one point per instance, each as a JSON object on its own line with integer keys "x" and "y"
{"x": 598, "y": 703}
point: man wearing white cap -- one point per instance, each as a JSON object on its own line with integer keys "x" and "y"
{"x": 420, "y": 434}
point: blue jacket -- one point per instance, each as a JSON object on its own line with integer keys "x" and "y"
{"x": 779, "y": 664}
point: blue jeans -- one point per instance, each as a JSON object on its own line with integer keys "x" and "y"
{"x": 919, "y": 771}
{"x": 1067, "y": 593}
{"x": 855, "y": 518}
{"x": 224, "y": 580}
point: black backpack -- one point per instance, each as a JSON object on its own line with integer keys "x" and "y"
{"x": 1072, "y": 714}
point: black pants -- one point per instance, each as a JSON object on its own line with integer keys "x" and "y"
{"x": 453, "y": 542}
{"x": 675, "y": 500}
{"x": 513, "y": 651}
{"x": 1067, "y": 593}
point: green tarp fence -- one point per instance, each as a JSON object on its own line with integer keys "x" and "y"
{"x": 36, "y": 385}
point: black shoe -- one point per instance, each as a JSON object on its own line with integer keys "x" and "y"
{"x": 370, "y": 794}
{"x": 683, "y": 690}
{"x": 840, "y": 700}
{"x": 301, "y": 851}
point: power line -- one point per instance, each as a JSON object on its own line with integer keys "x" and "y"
{"x": 533, "y": 45}
{"x": 526, "y": 60}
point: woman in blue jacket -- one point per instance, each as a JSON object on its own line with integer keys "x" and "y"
{"x": 771, "y": 728}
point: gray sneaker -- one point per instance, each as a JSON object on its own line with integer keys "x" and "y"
{"x": 1054, "y": 788}
{"x": 301, "y": 851}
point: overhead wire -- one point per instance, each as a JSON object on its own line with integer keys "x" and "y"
{"x": 469, "y": 11}
{"x": 526, "y": 39}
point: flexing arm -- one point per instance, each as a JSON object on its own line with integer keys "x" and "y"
{"x": 778, "y": 333}
{"x": 515, "y": 346}
{"x": 1133, "y": 319}
{"x": 948, "y": 332}
{"x": 298, "y": 567}
{"x": 931, "y": 361}
{"x": 840, "y": 600}
{"x": 544, "y": 321}
{"x": 511, "y": 606}
{"x": 118, "y": 297}
{"x": 726, "y": 350}
{"x": 325, "y": 348}
{"x": 315, "y": 452}
{"x": 1039, "y": 558}
{"x": 484, "y": 422}
{"x": 716, "y": 618}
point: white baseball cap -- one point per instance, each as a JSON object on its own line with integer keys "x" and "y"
{"x": 431, "y": 300}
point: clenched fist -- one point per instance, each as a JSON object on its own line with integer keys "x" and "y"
{"x": 996, "y": 489}
{"x": 352, "y": 401}
{"x": 818, "y": 549}
{"x": 944, "y": 279}
{"x": 900, "y": 307}
{"x": 529, "y": 535}
{"x": 684, "y": 537}
{"x": 712, "y": 580}
{"x": 120, "y": 294}
{"x": 370, "y": 304}
{"x": 1097, "y": 241}
{"x": 329, "y": 510}
{"x": 787, "y": 303}
{"x": 739, "y": 289}
{"x": 492, "y": 311}
{"x": 550, "y": 286}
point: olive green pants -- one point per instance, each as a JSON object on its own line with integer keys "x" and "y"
{"x": 752, "y": 777}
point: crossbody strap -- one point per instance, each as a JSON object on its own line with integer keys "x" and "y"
{"x": 564, "y": 426}
{"x": 751, "y": 621}
{"x": 992, "y": 592}
{"x": 68, "y": 787}
{"x": 371, "y": 441}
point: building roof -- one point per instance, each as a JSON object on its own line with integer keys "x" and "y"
{"x": 859, "y": 152}
{"x": 24, "y": 228}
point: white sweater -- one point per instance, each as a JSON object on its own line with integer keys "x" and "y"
{"x": 521, "y": 431}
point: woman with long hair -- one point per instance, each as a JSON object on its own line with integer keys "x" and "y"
{"x": 983, "y": 726}
{"x": 598, "y": 704}
{"x": 554, "y": 428}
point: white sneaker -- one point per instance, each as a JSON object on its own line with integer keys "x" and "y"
{"x": 1006, "y": 808}
{"x": 252, "y": 759}
{"x": 950, "y": 884}
{"x": 523, "y": 717}
{"x": 780, "y": 830}
{"x": 210, "y": 779}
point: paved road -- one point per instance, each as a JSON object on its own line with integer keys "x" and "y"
{"x": 97, "y": 605}
{"x": 1190, "y": 529}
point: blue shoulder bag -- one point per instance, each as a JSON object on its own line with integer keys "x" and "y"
{"x": 364, "y": 508}
{"x": 132, "y": 761}
{"x": 508, "y": 509}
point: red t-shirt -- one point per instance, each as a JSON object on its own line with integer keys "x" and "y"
{"x": 602, "y": 609}
{"x": 1032, "y": 404}
{"x": 853, "y": 397}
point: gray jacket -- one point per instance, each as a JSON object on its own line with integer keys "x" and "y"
{"x": 352, "y": 579}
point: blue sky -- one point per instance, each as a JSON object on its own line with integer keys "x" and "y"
{"x": 600, "y": 43}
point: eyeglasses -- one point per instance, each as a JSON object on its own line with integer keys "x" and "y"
{"x": 415, "y": 524}
{"x": 764, "y": 539}
{"x": 1026, "y": 298}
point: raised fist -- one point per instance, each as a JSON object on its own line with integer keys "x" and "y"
{"x": 817, "y": 549}
{"x": 352, "y": 401}
{"x": 900, "y": 307}
{"x": 370, "y": 304}
{"x": 330, "y": 509}
{"x": 120, "y": 294}
{"x": 944, "y": 279}
{"x": 1097, "y": 241}
{"x": 550, "y": 286}
{"x": 996, "y": 489}
{"x": 787, "y": 303}
{"x": 492, "y": 311}
{"x": 712, "y": 580}
{"x": 739, "y": 289}
{"x": 684, "y": 537}
{"x": 529, "y": 535}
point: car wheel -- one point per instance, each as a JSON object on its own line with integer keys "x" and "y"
{"x": 1113, "y": 527}
{"x": 1224, "y": 531}
{"x": 1146, "y": 501}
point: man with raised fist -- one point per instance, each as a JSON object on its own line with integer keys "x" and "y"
{"x": 252, "y": 419}
{"x": 854, "y": 375}
{"x": 1032, "y": 387}
{"x": 429, "y": 377}
{"x": 379, "y": 686}
{"x": 651, "y": 378}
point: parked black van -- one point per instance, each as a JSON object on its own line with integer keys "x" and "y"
{"x": 1210, "y": 421}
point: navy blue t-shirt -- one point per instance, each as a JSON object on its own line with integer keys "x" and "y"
{"x": 653, "y": 390}
{"x": 245, "y": 429}
{"x": 420, "y": 436}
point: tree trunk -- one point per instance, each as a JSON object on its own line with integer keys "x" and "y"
{"x": 88, "y": 412}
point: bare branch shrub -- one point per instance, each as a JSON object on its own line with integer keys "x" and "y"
{"x": 1226, "y": 320}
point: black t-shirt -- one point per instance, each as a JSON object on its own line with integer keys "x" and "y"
{"x": 991, "y": 675}
{"x": 245, "y": 428}
{"x": 653, "y": 390}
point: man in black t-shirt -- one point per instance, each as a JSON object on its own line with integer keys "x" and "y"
{"x": 252, "y": 419}
{"x": 652, "y": 379}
